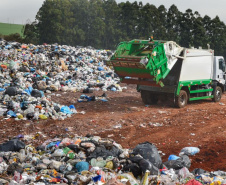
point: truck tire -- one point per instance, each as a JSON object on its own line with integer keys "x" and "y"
{"x": 217, "y": 94}
{"x": 154, "y": 98}
{"x": 145, "y": 97}
{"x": 182, "y": 99}
{"x": 148, "y": 98}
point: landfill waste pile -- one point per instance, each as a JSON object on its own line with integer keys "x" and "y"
{"x": 95, "y": 160}
{"x": 27, "y": 72}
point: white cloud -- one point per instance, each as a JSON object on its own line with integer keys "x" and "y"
{"x": 19, "y": 11}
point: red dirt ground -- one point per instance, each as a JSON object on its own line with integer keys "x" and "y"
{"x": 129, "y": 122}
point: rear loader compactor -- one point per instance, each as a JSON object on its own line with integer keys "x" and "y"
{"x": 164, "y": 69}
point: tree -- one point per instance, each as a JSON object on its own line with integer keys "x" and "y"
{"x": 112, "y": 32}
{"x": 217, "y": 30}
{"x": 31, "y": 34}
{"x": 146, "y": 23}
{"x": 161, "y": 32}
{"x": 105, "y": 23}
{"x": 96, "y": 25}
{"x": 186, "y": 28}
{"x": 172, "y": 24}
{"x": 199, "y": 34}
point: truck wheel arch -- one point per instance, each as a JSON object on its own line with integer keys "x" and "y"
{"x": 179, "y": 100}
{"x": 185, "y": 88}
{"x": 217, "y": 93}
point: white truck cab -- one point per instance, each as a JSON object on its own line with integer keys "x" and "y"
{"x": 219, "y": 71}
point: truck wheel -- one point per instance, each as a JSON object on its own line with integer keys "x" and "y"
{"x": 154, "y": 99}
{"x": 145, "y": 97}
{"x": 182, "y": 99}
{"x": 217, "y": 94}
{"x": 148, "y": 98}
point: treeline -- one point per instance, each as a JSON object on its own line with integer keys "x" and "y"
{"x": 105, "y": 23}
{"x": 12, "y": 37}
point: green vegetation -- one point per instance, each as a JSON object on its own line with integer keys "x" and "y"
{"x": 7, "y": 29}
{"x": 105, "y": 23}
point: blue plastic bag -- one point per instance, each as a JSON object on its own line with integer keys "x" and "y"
{"x": 30, "y": 89}
{"x": 68, "y": 81}
{"x": 82, "y": 166}
{"x": 97, "y": 178}
{"x": 72, "y": 107}
{"x": 66, "y": 110}
{"x": 113, "y": 89}
{"x": 100, "y": 68}
{"x": 1, "y": 89}
{"x": 42, "y": 93}
{"x": 104, "y": 100}
{"x": 11, "y": 113}
{"x": 27, "y": 91}
{"x": 26, "y": 74}
{"x": 6, "y": 84}
{"x": 32, "y": 69}
{"x": 173, "y": 157}
{"x": 50, "y": 145}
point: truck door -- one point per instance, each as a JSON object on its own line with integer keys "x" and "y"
{"x": 221, "y": 71}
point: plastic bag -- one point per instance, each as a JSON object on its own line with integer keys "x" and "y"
{"x": 173, "y": 157}
{"x": 58, "y": 153}
{"x": 184, "y": 173}
{"x": 41, "y": 116}
{"x": 13, "y": 145}
{"x": 66, "y": 110}
{"x": 36, "y": 93}
{"x": 148, "y": 151}
{"x": 11, "y": 114}
{"x": 11, "y": 91}
{"x": 98, "y": 163}
{"x": 14, "y": 167}
{"x": 147, "y": 165}
{"x": 198, "y": 171}
{"x": 128, "y": 177}
{"x": 181, "y": 162}
{"x": 114, "y": 181}
{"x": 189, "y": 151}
{"x": 2, "y": 89}
{"x": 82, "y": 166}
{"x": 193, "y": 182}
{"x": 144, "y": 165}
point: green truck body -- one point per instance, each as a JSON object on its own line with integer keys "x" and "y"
{"x": 164, "y": 68}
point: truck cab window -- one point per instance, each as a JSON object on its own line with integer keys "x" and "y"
{"x": 222, "y": 64}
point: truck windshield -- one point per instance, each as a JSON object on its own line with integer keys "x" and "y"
{"x": 222, "y": 64}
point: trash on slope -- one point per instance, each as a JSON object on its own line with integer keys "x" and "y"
{"x": 27, "y": 72}
{"x": 95, "y": 160}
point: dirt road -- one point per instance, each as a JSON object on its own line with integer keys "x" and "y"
{"x": 128, "y": 121}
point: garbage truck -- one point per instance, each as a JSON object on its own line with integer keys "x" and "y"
{"x": 165, "y": 69}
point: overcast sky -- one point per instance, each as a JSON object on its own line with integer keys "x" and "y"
{"x": 19, "y": 11}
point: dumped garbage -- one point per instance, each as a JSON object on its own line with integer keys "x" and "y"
{"x": 95, "y": 160}
{"x": 13, "y": 145}
{"x": 27, "y": 72}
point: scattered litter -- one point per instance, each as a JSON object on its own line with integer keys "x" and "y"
{"x": 118, "y": 126}
{"x": 156, "y": 124}
{"x": 95, "y": 160}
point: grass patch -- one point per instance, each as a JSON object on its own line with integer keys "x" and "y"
{"x": 7, "y": 29}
